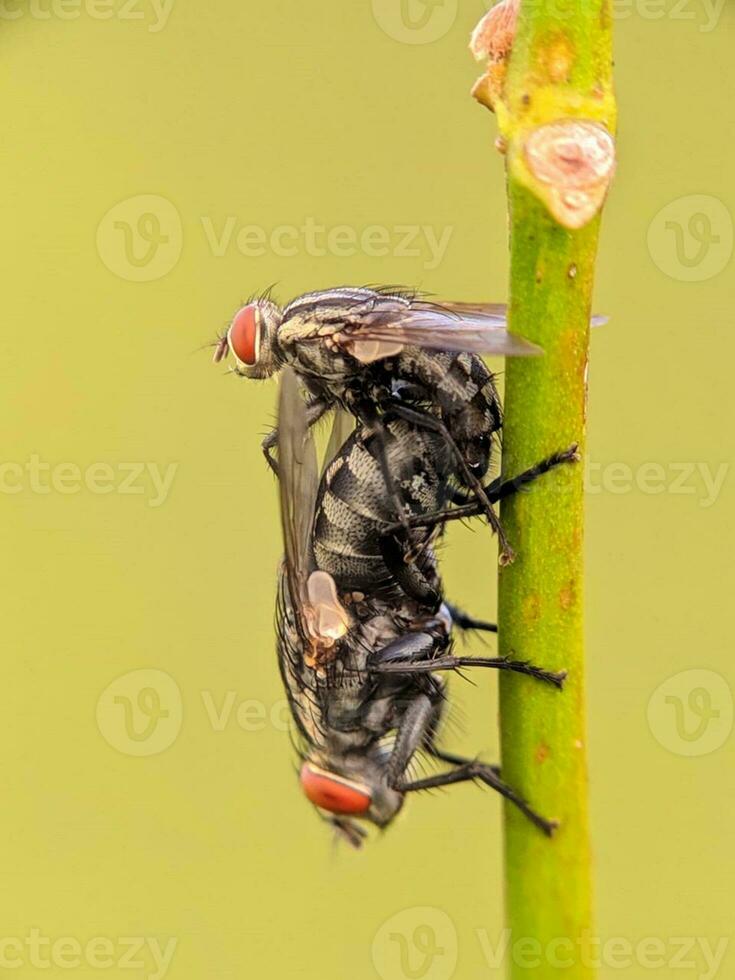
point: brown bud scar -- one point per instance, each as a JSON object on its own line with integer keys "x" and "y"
{"x": 501, "y": 144}
{"x": 542, "y": 753}
{"x": 494, "y": 35}
{"x": 573, "y": 160}
{"x": 492, "y": 39}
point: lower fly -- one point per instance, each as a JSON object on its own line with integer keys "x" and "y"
{"x": 362, "y": 656}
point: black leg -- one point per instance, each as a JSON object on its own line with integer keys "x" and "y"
{"x": 416, "y": 647}
{"x": 268, "y": 445}
{"x": 484, "y": 504}
{"x": 447, "y": 661}
{"x": 454, "y": 760}
{"x": 413, "y": 730}
{"x": 315, "y": 410}
{"x": 496, "y": 491}
{"x": 372, "y": 421}
{"x": 470, "y": 772}
{"x": 464, "y": 621}
{"x": 500, "y": 489}
{"x": 405, "y": 569}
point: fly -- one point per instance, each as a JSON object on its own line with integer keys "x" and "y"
{"x": 359, "y": 657}
{"x": 371, "y": 351}
{"x": 367, "y": 350}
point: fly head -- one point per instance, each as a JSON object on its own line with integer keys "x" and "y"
{"x": 253, "y": 339}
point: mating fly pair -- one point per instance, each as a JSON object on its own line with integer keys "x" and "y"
{"x": 363, "y": 630}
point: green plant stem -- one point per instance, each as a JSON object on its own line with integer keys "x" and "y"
{"x": 543, "y": 732}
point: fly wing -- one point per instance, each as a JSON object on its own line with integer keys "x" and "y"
{"x": 342, "y": 425}
{"x": 298, "y": 484}
{"x": 478, "y": 328}
{"x": 384, "y": 331}
{"x": 500, "y": 310}
{"x": 321, "y": 618}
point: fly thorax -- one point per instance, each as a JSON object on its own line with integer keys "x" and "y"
{"x": 308, "y": 345}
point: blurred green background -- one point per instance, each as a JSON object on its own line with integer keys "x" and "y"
{"x": 162, "y": 161}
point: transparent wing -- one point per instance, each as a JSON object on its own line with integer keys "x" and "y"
{"x": 321, "y": 618}
{"x": 342, "y": 425}
{"x": 298, "y": 484}
{"x": 478, "y": 328}
{"x": 500, "y": 310}
{"x": 383, "y": 330}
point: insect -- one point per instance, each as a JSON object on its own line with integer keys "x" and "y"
{"x": 368, "y": 350}
{"x": 359, "y": 657}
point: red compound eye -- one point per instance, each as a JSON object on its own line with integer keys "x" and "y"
{"x": 244, "y": 335}
{"x": 333, "y": 793}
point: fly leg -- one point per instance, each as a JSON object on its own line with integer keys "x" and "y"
{"x": 416, "y": 647}
{"x": 464, "y": 621}
{"x": 433, "y": 750}
{"x": 479, "y": 771}
{"x": 499, "y": 489}
{"x": 407, "y": 573}
{"x": 496, "y": 491}
{"x": 315, "y": 410}
{"x": 472, "y": 481}
{"x": 416, "y": 730}
{"x": 406, "y": 661}
{"x": 424, "y": 652}
{"x": 365, "y": 411}
{"x": 413, "y": 732}
{"x": 452, "y": 759}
